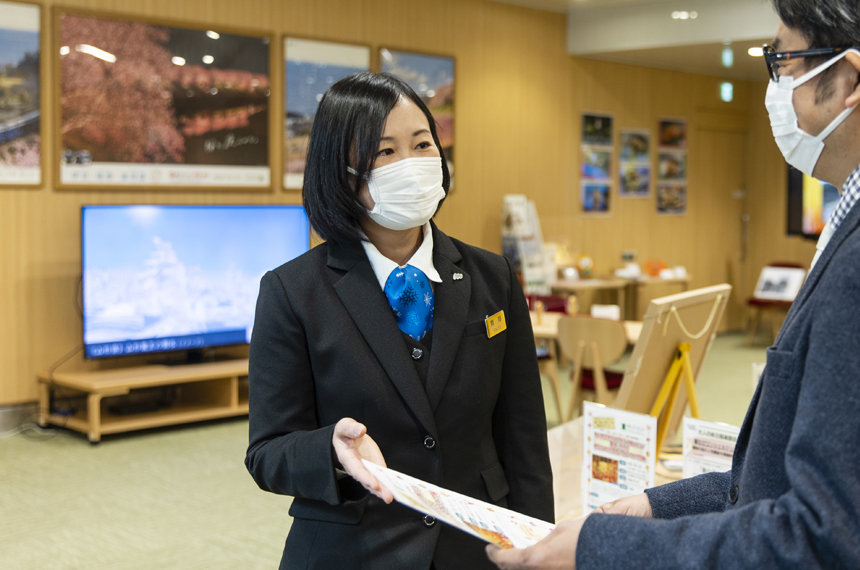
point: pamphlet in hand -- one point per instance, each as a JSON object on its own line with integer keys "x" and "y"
{"x": 503, "y": 527}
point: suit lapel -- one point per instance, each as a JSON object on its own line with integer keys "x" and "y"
{"x": 366, "y": 304}
{"x": 452, "y": 298}
{"x": 845, "y": 229}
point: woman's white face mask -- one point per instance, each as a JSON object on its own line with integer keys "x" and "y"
{"x": 405, "y": 193}
{"x": 799, "y": 148}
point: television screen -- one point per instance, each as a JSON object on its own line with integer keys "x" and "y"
{"x": 162, "y": 278}
{"x": 810, "y": 204}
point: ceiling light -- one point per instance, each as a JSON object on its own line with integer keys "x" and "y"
{"x": 65, "y": 50}
{"x": 212, "y": 34}
{"x": 207, "y": 59}
{"x": 727, "y": 91}
{"x": 728, "y": 57}
{"x": 755, "y": 51}
{"x": 684, "y": 15}
{"x": 177, "y": 60}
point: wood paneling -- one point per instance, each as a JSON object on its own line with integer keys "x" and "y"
{"x": 519, "y": 97}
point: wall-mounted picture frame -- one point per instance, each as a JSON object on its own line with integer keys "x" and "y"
{"x": 20, "y": 95}
{"x": 310, "y": 67}
{"x": 432, "y": 77}
{"x": 596, "y": 162}
{"x": 145, "y": 104}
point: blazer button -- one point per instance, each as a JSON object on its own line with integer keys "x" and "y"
{"x": 733, "y": 494}
{"x": 417, "y": 353}
{"x": 429, "y": 521}
{"x": 429, "y": 442}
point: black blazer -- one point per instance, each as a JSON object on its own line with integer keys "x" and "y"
{"x": 325, "y": 346}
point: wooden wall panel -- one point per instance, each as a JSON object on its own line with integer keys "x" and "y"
{"x": 519, "y": 98}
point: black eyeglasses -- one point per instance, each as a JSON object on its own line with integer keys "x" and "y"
{"x": 772, "y": 57}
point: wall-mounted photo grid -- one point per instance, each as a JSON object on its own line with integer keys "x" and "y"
{"x": 143, "y": 104}
{"x": 672, "y": 166}
{"x": 596, "y": 159}
{"x": 20, "y": 108}
{"x": 310, "y": 68}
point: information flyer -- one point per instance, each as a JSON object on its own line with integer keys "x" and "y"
{"x": 708, "y": 446}
{"x": 619, "y": 451}
{"x": 506, "y": 528}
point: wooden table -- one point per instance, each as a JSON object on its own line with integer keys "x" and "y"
{"x": 578, "y": 286}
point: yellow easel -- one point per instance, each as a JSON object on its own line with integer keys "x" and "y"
{"x": 665, "y": 401}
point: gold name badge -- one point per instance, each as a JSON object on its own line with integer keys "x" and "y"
{"x": 495, "y": 324}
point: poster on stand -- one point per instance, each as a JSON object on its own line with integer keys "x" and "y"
{"x": 619, "y": 454}
{"x": 310, "y": 68}
{"x": 708, "y": 446}
{"x": 432, "y": 78}
{"x": 143, "y": 104}
{"x": 20, "y": 92}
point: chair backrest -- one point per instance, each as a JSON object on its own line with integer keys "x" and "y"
{"x": 607, "y": 335}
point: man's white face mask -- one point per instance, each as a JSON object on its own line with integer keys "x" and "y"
{"x": 800, "y": 149}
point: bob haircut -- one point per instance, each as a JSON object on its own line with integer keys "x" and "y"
{"x": 348, "y": 124}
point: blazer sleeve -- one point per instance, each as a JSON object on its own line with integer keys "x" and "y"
{"x": 520, "y": 417}
{"x": 288, "y": 452}
{"x": 815, "y": 521}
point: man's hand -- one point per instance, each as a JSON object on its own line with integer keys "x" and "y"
{"x": 351, "y": 444}
{"x": 555, "y": 552}
{"x": 633, "y": 506}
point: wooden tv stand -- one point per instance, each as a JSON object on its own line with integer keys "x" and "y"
{"x": 202, "y": 391}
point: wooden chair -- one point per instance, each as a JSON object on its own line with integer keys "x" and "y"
{"x": 547, "y": 354}
{"x": 777, "y": 286}
{"x": 591, "y": 344}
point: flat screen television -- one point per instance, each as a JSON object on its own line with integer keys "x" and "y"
{"x": 810, "y": 204}
{"x": 169, "y": 278}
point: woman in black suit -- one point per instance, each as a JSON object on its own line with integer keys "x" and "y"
{"x": 454, "y": 400}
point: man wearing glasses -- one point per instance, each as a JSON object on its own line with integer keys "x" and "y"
{"x": 792, "y": 498}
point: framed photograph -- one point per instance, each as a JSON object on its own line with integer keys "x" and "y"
{"x": 20, "y": 95}
{"x": 151, "y": 105}
{"x": 596, "y": 162}
{"x": 672, "y": 165}
{"x": 597, "y": 129}
{"x": 671, "y": 197}
{"x": 432, "y": 77}
{"x": 595, "y": 197}
{"x": 673, "y": 133}
{"x": 310, "y": 68}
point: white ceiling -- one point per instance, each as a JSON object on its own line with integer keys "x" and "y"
{"x": 704, "y": 58}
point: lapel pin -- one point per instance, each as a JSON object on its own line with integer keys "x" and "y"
{"x": 458, "y": 276}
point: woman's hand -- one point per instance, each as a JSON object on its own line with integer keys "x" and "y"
{"x": 351, "y": 444}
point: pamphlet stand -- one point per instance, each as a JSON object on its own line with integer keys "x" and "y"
{"x": 665, "y": 401}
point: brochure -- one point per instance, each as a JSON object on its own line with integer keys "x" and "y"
{"x": 503, "y": 527}
{"x": 708, "y": 446}
{"x": 618, "y": 454}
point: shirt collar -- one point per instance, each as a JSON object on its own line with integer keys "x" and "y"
{"x": 850, "y": 194}
{"x": 422, "y": 259}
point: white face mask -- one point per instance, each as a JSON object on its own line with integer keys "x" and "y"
{"x": 405, "y": 193}
{"x": 799, "y": 148}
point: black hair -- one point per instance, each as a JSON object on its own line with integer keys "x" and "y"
{"x": 348, "y": 125}
{"x": 823, "y": 23}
